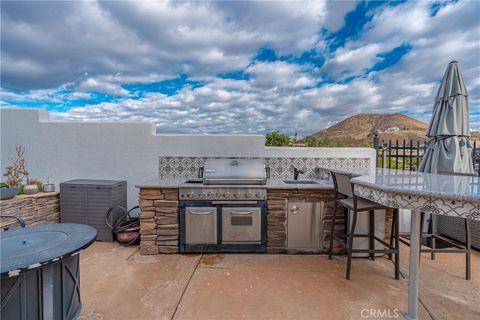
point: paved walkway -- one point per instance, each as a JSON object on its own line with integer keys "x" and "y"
{"x": 118, "y": 283}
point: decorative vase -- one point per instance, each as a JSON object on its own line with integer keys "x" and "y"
{"x": 49, "y": 187}
{"x": 8, "y": 193}
{"x": 30, "y": 189}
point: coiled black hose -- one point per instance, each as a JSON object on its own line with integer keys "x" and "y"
{"x": 119, "y": 220}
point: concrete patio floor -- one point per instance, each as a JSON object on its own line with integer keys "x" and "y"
{"x": 118, "y": 283}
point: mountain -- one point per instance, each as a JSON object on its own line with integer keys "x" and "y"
{"x": 355, "y": 130}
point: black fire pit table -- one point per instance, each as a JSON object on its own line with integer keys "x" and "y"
{"x": 40, "y": 270}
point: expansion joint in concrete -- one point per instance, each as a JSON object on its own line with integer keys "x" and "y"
{"x": 186, "y": 286}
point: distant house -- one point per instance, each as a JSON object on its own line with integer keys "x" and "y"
{"x": 299, "y": 145}
{"x": 393, "y": 129}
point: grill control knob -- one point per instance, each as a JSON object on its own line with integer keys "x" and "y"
{"x": 219, "y": 193}
{"x": 259, "y": 194}
{"x": 201, "y": 194}
{"x": 248, "y": 194}
{"x": 237, "y": 195}
{"x": 190, "y": 194}
{"x": 210, "y": 194}
{"x": 226, "y": 195}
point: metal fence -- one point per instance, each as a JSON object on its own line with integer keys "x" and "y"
{"x": 407, "y": 155}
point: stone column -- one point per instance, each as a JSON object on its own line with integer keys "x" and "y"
{"x": 158, "y": 221}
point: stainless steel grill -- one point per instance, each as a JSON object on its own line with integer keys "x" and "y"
{"x": 228, "y": 179}
{"x": 225, "y": 211}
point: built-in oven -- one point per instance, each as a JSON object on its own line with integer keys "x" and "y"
{"x": 223, "y": 226}
{"x": 241, "y": 224}
{"x": 226, "y": 210}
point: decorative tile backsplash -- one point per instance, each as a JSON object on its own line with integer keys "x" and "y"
{"x": 180, "y": 167}
{"x": 280, "y": 168}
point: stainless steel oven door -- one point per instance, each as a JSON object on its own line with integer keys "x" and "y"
{"x": 200, "y": 225}
{"x": 241, "y": 225}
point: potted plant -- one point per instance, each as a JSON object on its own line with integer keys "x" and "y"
{"x": 14, "y": 174}
{"x": 33, "y": 186}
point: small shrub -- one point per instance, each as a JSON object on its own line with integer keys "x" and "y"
{"x": 16, "y": 171}
{"x": 38, "y": 183}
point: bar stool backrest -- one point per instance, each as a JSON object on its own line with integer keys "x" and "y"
{"x": 342, "y": 183}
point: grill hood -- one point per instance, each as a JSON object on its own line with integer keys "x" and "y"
{"x": 234, "y": 171}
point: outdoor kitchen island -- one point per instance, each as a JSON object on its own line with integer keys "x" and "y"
{"x": 159, "y": 201}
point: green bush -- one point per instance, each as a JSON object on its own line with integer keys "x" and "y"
{"x": 277, "y": 139}
{"x": 315, "y": 142}
{"x": 401, "y": 164}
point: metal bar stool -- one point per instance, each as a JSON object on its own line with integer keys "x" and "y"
{"x": 344, "y": 195}
{"x": 452, "y": 246}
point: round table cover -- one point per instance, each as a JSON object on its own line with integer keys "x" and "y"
{"x": 26, "y": 249}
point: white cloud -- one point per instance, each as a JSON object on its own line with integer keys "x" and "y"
{"x": 287, "y": 26}
{"x": 411, "y": 84}
{"x": 79, "y": 96}
{"x": 92, "y": 84}
{"x": 102, "y": 46}
{"x": 400, "y": 22}
{"x": 350, "y": 61}
{"x": 226, "y": 105}
{"x": 137, "y": 39}
{"x": 33, "y": 95}
{"x": 279, "y": 74}
{"x": 336, "y": 11}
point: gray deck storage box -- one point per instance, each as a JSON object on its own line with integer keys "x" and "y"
{"x": 88, "y": 201}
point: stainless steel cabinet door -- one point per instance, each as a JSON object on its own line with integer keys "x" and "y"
{"x": 241, "y": 225}
{"x": 304, "y": 225}
{"x": 201, "y": 225}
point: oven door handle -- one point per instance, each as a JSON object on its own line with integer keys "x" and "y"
{"x": 242, "y": 212}
{"x": 200, "y": 212}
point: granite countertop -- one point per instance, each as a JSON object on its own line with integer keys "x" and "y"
{"x": 271, "y": 184}
{"x": 279, "y": 184}
{"x": 162, "y": 183}
{"x": 462, "y": 188}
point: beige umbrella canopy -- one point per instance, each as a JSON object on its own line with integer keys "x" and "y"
{"x": 449, "y": 149}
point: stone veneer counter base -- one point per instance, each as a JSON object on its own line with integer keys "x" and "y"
{"x": 160, "y": 208}
{"x": 39, "y": 208}
{"x": 158, "y": 220}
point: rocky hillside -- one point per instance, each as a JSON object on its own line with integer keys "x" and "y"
{"x": 355, "y": 130}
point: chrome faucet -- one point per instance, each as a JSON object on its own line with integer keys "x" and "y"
{"x": 297, "y": 172}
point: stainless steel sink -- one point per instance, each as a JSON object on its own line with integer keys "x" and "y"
{"x": 300, "y": 182}
{"x": 194, "y": 181}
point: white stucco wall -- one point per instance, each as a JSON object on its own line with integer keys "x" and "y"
{"x": 125, "y": 150}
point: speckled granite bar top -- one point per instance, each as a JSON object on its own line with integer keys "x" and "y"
{"x": 462, "y": 188}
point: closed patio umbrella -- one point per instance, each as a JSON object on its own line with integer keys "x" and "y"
{"x": 449, "y": 149}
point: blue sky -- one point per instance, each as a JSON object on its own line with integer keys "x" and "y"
{"x": 235, "y": 67}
